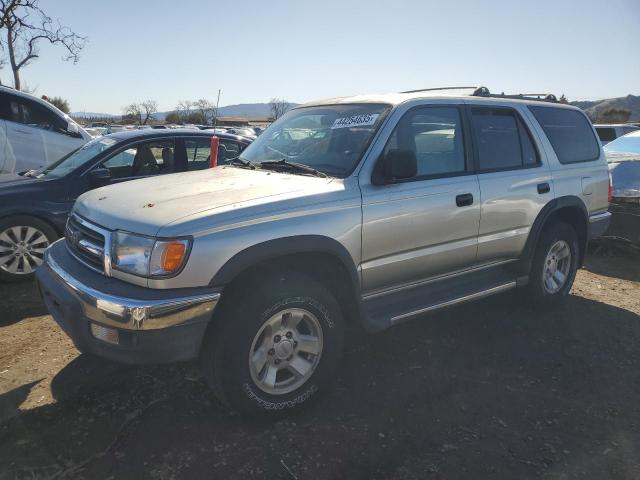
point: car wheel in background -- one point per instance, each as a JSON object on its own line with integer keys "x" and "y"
{"x": 276, "y": 347}
{"x": 23, "y": 240}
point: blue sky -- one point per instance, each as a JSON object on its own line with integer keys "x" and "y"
{"x": 301, "y": 50}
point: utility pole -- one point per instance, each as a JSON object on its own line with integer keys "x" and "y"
{"x": 215, "y": 120}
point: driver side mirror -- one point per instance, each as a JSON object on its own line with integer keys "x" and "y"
{"x": 100, "y": 177}
{"x": 396, "y": 165}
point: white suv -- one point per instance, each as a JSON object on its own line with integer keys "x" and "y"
{"x": 34, "y": 133}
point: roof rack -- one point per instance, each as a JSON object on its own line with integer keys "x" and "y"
{"x": 540, "y": 97}
{"x": 484, "y": 92}
{"x": 442, "y": 88}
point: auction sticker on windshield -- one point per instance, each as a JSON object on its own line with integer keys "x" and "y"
{"x": 355, "y": 121}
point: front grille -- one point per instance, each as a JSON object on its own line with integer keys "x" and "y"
{"x": 86, "y": 242}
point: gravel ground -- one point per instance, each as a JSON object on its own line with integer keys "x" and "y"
{"x": 491, "y": 389}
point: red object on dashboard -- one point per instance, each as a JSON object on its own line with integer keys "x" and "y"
{"x": 213, "y": 156}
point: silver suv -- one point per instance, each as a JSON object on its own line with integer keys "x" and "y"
{"x": 368, "y": 210}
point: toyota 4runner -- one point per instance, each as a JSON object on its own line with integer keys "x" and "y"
{"x": 368, "y": 210}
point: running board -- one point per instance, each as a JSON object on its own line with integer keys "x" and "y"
{"x": 384, "y": 310}
{"x": 455, "y": 301}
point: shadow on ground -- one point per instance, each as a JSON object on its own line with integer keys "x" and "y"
{"x": 613, "y": 261}
{"x": 18, "y": 301}
{"x": 490, "y": 389}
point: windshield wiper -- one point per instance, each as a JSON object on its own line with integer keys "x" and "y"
{"x": 285, "y": 164}
{"x": 242, "y": 163}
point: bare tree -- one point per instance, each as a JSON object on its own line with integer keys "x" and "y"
{"x": 279, "y": 106}
{"x": 148, "y": 108}
{"x": 206, "y": 109}
{"x": 26, "y": 25}
{"x": 183, "y": 109}
{"x": 133, "y": 113}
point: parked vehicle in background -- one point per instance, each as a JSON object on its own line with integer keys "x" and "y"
{"x": 114, "y": 129}
{"x": 623, "y": 155}
{"x": 34, "y": 207}
{"x": 97, "y": 125}
{"x": 245, "y": 132}
{"x": 369, "y": 210}
{"x": 34, "y": 133}
{"x": 95, "y": 131}
{"x": 607, "y": 133}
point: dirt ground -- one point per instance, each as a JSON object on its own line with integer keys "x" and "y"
{"x": 491, "y": 389}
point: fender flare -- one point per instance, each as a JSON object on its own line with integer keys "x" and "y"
{"x": 280, "y": 247}
{"x": 541, "y": 220}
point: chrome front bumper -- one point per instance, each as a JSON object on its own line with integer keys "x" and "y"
{"x": 153, "y": 325}
{"x": 134, "y": 314}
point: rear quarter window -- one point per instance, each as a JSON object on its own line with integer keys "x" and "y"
{"x": 569, "y": 133}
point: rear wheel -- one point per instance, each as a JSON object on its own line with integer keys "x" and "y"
{"x": 23, "y": 240}
{"x": 554, "y": 266}
{"x": 276, "y": 347}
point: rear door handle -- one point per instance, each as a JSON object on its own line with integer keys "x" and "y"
{"x": 544, "y": 188}
{"x": 464, "y": 200}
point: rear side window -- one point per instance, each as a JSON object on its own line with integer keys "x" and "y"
{"x": 503, "y": 141}
{"x": 569, "y": 133}
{"x": 606, "y": 134}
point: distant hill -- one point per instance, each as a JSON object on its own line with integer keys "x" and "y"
{"x": 251, "y": 110}
{"x": 595, "y": 108}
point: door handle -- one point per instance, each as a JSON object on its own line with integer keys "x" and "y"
{"x": 544, "y": 188}
{"x": 464, "y": 200}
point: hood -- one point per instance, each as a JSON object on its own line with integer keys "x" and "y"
{"x": 10, "y": 179}
{"x": 625, "y": 177}
{"x": 145, "y": 206}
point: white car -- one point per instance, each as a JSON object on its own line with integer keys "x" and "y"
{"x": 34, "y": 133}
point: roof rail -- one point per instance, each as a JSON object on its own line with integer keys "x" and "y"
{"x": 442, "y": 88}
{"x": 540, "y": 97}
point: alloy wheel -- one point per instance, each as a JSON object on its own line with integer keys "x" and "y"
{"x": 557, "y": 267}
{"x": 286, "y": 351}
{"x": 22, "y": 249}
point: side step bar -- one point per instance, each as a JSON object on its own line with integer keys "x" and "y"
{"x": 386, "y": 309}
{"x": 455, "y": 301}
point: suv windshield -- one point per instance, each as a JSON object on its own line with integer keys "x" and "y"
{"x": 330, "y": 139}
{"x": 76, "y": 158}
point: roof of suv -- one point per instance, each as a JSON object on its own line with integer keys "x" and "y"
{"x": 401, "y": 97}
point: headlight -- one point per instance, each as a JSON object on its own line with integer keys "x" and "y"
{"x": 146, "y": 256}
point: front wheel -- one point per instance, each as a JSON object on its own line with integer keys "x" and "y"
{"x": 276, "y": 347}
{"x": 554, "y": 265}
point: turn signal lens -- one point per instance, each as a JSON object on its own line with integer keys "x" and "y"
{"x": 168, "y": 257}
{"x": 172, "y": 256}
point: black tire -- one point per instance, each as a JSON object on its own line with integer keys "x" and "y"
{"x": 551, "y": 235}
{"x": 23, "y": 221}
{"x": 226, "y": 349}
